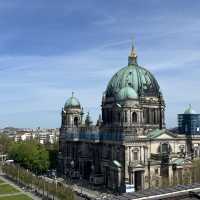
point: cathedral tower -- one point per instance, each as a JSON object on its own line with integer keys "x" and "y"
{"x": 72, "y": 113}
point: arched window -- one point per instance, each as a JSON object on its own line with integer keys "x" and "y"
{"x": 68, "y": 120}
{"x": 134, "y": 117}
{"x": 154, "y": 116}
{"x": 125, "y": 116}
{"x": 76, "y": 121}
{"x": 147, "y": 115}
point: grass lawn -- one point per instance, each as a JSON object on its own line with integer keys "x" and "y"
{"x": 1, "y": 181}
{"x": 16, "y": 197}
{"x": 6, "y": 189}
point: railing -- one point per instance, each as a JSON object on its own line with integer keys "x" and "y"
{"x": 93, "y": 136}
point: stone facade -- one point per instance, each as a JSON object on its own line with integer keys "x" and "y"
{"x": 130, "y": 144}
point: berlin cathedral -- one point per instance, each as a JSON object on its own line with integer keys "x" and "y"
{"x": 129, "y": 145}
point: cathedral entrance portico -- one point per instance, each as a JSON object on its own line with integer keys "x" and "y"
{"x": 136, "y": 176}
{"x": 138, "y": 179}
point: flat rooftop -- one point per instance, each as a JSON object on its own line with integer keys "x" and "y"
{"x": 183, "y": 192}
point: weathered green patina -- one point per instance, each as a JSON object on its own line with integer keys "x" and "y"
{"x": 136, "y": 77}
{"x": 72, "y": 102}
{"x": 178, "y": 161}
{"x": 156, "y": 133}
{"x": 127, "y": 93}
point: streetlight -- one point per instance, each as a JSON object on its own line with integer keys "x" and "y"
{"x": 56, "y": 186}
{"x": 71, "y": 170}
{"x": 18, "y": 174}
{"x": 81, "y": 185}
{"x": 43, "y": 188}
{"x": 92, "y": 168}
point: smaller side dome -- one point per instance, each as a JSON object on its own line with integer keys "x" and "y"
{"x": 72, "y": 102}
{"x": 189, "y": 110}
{"x": 127, "y": 93}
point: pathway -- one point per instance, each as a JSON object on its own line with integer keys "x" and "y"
{"x": 10, "y": 194}
{"x": 18, "y": 188}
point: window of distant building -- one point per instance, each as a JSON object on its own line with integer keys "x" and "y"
{"x": 186, "y": 128}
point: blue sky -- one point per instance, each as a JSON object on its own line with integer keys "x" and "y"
{"x": 50, "y": 48}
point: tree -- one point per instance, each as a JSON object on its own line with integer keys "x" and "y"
{"x": 5, "y": 143}
{"x": 30, "y": 155}
{"x": 28, "y": 179}
{"x": 53, "y": 153}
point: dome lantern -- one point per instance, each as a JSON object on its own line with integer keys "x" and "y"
{"x": 132, "y": 58}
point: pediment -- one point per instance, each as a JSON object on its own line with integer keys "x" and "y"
{"x": 161, "y": 134}
{"x": 165, "y": 136}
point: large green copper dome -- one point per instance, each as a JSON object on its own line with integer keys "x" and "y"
{"x": 134, "y": 76}
{"x": 72, "y": 102}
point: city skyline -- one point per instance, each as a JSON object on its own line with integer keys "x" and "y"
{"x": 50, "y": 49}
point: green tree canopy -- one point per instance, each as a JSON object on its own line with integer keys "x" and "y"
{"x": 30, "y": 155}
{"x": 53, "y": 153}
{"x": 5, "y": 143}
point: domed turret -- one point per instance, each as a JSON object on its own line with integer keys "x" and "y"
{"x": 72, "y": 113}
{"x": 72, "y": 102}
